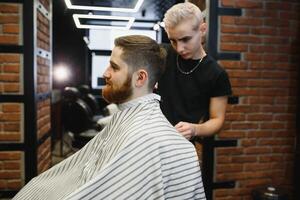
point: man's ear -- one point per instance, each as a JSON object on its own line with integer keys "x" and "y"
{"x": 141, "y": 78}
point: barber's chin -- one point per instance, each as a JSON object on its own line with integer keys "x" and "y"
{"x": 185, "y": 56}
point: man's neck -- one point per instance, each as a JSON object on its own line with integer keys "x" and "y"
{"x": 137, "y": 93}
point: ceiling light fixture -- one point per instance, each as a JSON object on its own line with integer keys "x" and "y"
{"x": 116, "y": 21}
{"x": 101, "y": 8}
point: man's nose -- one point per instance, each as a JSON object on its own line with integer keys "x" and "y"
{"x": 106, "y": 73}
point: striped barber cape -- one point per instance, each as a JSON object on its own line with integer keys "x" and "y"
{"x": 138, "y": 155}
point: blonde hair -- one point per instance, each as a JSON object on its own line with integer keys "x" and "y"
{"x": 181, "y": 12}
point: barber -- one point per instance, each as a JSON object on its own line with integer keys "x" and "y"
{"x": 194, "y": 88}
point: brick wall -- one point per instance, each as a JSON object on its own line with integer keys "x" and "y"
{"x": 43, "y": 32}
{"x": 11, "y": 122}
{"x": 44, "y": 156}
{"x": 11, "y": 170}
{"x": 43, "y": 75}
{"x": 11, "y": 73}
{"x": 44, "y": 159}
{"x": 10, "y": 18}
{"x": 10, "y": 34}
{"x": 265, "y": 80}
{"x": 24, "y": 138}
{"x": 11, "y": 83}
{"x": 43, "y": 118}
{"x": 44, "y": 85}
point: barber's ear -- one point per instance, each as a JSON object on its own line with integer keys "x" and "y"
{"x": 203, "y": 28}
{"x": 141, "y": 78}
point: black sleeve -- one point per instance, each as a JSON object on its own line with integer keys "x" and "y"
{"x": 222, "y": 86}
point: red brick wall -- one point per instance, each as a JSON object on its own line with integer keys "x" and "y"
{"x": 10, "y": 15}
{"x": 43, "y": 75}
{"x": 44, "y": 156}
{"x": 44, "y": 159}
{"x": 11, "y": 171}
{"x": 265, "y": 80}
{"x": 43, "y": 86}
{"x": 10, "y": 26}
{"x": 11, "y": 83}
{"x": 43, "y": 118}
{"x": 11, "y": 73}
{"x": 12, "y": 122}
{"x": 43, "y": 32}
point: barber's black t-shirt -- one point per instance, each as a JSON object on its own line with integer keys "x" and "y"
{"x": 185, "y": 97}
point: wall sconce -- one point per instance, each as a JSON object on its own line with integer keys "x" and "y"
{"x": 61, "y": 73}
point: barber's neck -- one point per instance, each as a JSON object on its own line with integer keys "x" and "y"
{"x": 200, "y": 55}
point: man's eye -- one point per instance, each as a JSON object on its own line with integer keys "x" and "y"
{"x": 114, "y": 67}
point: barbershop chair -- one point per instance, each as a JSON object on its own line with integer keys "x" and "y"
{"x": 109, "y": 110}
{"x": 77, "y": 118}
{"x": 89, "y": 98}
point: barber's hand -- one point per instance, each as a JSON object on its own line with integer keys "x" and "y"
{"x": 188, "y": 130}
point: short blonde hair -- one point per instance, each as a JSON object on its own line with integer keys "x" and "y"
{"x": 181, "y": 12}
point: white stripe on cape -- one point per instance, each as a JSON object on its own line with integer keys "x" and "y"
{"x": 138, "y": 155}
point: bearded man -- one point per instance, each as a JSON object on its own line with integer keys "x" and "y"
{"x": 139, "y": 154}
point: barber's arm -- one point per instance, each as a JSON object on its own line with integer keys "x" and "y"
{"x": 217, "y": 111}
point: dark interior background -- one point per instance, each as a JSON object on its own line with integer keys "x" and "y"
{"x": 68, "y": 45}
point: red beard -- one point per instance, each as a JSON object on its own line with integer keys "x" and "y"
{"x": 117, "y": 95}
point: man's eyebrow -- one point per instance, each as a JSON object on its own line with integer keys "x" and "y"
{"x": 113, "y": 64}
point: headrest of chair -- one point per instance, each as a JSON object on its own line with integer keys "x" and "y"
{"x": 84, "y": 89}
{"x": 71, "y": 93}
